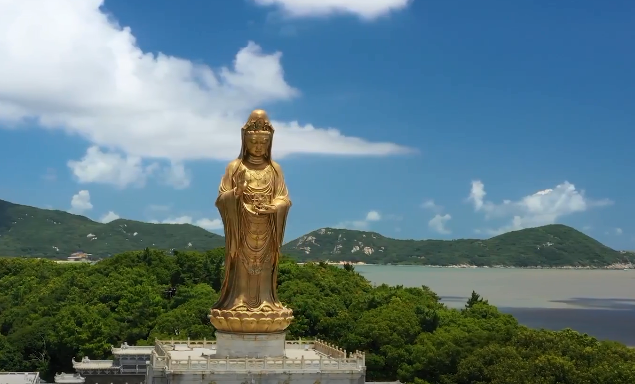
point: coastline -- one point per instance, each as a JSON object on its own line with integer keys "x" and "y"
{"x": 616, "y": 266}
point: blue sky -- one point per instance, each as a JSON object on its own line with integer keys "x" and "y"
{"x": 415, "y": 119}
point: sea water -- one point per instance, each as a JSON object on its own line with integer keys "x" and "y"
{"x": 598, "y": 302}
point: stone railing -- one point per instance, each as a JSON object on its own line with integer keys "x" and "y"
{"x": 161, "y": 344}
{"x": 87, "y": 363}
{"x": 126, "y": 349}
{"x": 27, "y": 377}
{"x": 269, "y": 364}
{"x": 331, "y": 350}
{"x": 332, "y": 358}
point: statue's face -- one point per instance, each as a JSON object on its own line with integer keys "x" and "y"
{"x": 257, "y": 143}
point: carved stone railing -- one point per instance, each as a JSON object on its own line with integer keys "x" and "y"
{"x": 87, "y": 363}
{"x": 28, "y": 377}
{"x": 331, "y": 358}
{"x": 159, "y": 344}
{"x": 131, "y": 349}
{"x": 269, "y": 364}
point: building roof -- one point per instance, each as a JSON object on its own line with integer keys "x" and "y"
{"x": 126, "y": 349}
{"x": 69, "y": 378}
{"x": 19, "y": 377}
{"x": 87, "y": 363}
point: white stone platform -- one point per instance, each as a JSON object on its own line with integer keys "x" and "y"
{"x": 254, "y": 345}
{"x": 190, "y": 362}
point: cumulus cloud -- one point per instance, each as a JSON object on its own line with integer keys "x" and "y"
{"x": 205, "y": 223}
{"x": 366, "y": 9}
{"x": 363, "y": 224}
{"x": 541, "y": 208}
{"x": 432, "y": 206}
{"x": 438, "y": 224}
{"x": 122, "y": 171}
{"x": 373, "y": 216}
{"x": 82, "y": 73}
{"x": 80, "y": 202}
{"x": 108, "y": 217}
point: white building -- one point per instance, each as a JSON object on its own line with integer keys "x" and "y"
{"x": 69, "y": 378}
{"x": 204, "y": 362}
{"x": 19, "y": 378}
{"x": 127, "y": 367}
{"x": 306, "y": 362}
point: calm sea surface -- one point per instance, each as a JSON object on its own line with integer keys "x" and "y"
{"x": 598, "y": 302}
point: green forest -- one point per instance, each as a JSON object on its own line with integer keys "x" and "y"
{"x": 51, "y": 313}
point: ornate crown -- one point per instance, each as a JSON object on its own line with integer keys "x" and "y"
{"x": 258, "y": 122}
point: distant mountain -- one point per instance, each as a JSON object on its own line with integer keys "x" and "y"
{"x": 35, "y": 232}
{"x": 550, "y": 245}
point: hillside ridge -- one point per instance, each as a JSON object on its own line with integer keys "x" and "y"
{"x": 554, "y": 245}
{"x": 36, "y": 232}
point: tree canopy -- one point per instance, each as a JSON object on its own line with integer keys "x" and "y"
{"x": 51, "y": 313}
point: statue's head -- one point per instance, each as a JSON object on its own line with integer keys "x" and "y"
{"x": 257, "y": 135}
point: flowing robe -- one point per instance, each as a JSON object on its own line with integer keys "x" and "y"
{"x": 252, "y": 242}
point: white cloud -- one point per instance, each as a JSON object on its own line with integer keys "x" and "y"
{"x": 438, "y": 224}
{"x": 371, "y": 216}
{"x": 110, "y": 168}
{"x": 616, "y": 231}
{"x": 541, "y": 208}
{"x": 366, "y": 9}
{"x": 80, "y": 202}
{"x": 432, "y": 206}
{"x": 122, "y": 171}
{"x": 205, "y": 223}
{"x": 177, "y": 176}
{"x": 108, "y": 217}
{"x": 81, "y": 72}
{"x": 209, "y": 224}
{"x": 477, "y": 193}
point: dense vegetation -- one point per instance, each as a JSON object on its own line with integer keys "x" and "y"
{"x": 35, "y": 232}
{"x": 50, "y": 313}
{"x": 548, "y": 246}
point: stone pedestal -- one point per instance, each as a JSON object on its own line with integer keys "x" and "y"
{"x": 251, "y": 345}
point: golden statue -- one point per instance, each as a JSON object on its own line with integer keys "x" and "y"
{"x": 253, "y": 202}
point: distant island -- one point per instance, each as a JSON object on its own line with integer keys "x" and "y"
{"x": 549, "y": 246}
{"x": 35, "y": 232}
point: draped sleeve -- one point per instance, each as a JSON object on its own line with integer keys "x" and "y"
{"x": 282, "y": 202}
{"x": 228, "y": 207}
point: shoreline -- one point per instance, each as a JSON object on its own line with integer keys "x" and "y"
{"x": 616, "y": 267}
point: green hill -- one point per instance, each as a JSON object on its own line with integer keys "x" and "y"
{"x": 550, "y": 245}
{"x": 35, "y": 232}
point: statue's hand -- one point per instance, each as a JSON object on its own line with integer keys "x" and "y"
{"x": 241, "y": 183}
{"x": 266, "y": 209}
